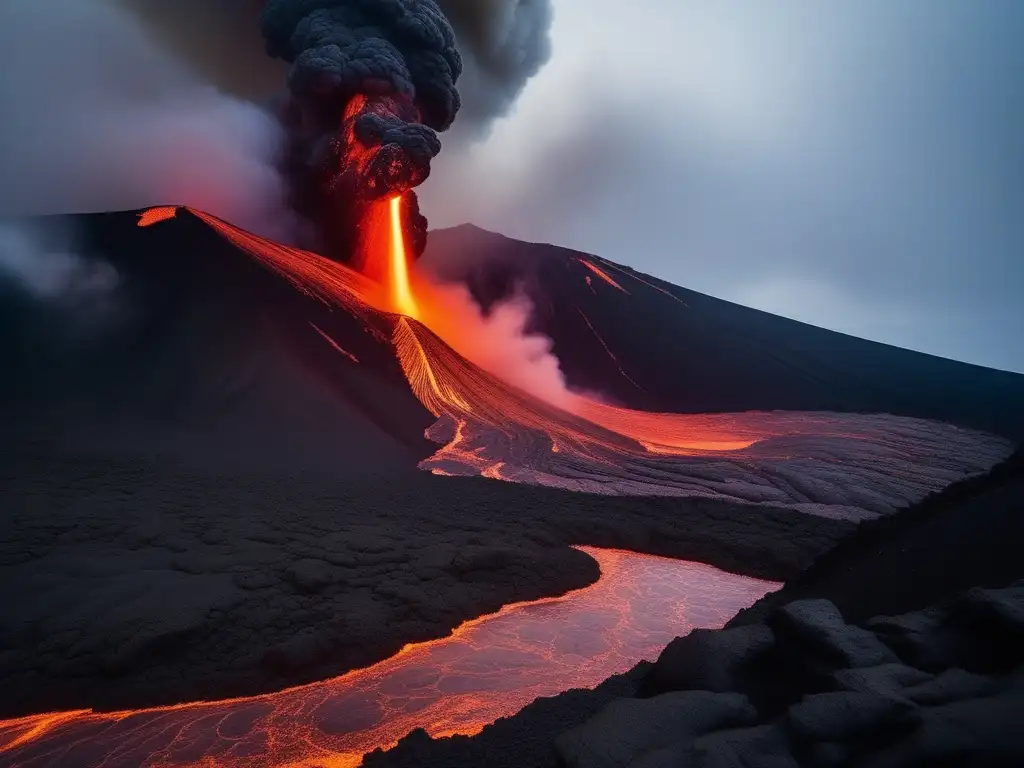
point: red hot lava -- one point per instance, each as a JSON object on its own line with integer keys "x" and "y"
{"x": 486, "y": 669}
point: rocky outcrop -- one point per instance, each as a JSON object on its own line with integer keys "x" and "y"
{"x": 939, "y": 686}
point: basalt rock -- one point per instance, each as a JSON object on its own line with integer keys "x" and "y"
{"x": 708, "y": 660}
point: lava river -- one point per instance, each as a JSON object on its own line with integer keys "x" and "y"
{"x": 835, "y": 464}
{"x": 486, "y": 669}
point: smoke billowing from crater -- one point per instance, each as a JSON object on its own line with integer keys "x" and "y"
{"x": 371, "y": 83}
{"x": 98, "y": 116}
{"x": 149, "y": 102}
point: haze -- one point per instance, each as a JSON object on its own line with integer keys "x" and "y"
{"x": 857, "y": 166}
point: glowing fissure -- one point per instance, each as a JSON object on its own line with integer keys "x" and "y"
{"x": 485, "y": 669}
{"x": 601, "y": 274}
{"x": 607, "y": 349}
{"x": 335, "y": 344}
{"x": 639, "y": 279}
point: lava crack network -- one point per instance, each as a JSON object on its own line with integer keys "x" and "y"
{"x": 487, "y": 668}
{"x": 842, "y": 465}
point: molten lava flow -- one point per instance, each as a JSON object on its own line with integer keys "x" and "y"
{"x": 601, "y": 274}
{"x": 156, "y": 215}
{"x": 401, "y": 292}
{"x": 486, "y": 669}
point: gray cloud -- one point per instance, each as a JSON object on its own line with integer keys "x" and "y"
{"x": 504, "y": 43}
{"x": 98, "y": 117}
{"x": 859, "y": 167}
{"x": 45, "y": 264}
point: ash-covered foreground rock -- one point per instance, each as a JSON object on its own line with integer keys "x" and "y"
{"x": 939, "y": 686}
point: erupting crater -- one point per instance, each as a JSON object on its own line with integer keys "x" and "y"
{"x": 486, "y": 669}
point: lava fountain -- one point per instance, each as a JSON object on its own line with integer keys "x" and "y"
{"x": 487, "y": 668}
{"x": 401, "y": 290}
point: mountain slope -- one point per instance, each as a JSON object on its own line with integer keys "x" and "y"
{"x": 200, "y": 355}
{"x": 655, "y": 346}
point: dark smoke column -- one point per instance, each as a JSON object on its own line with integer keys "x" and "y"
{"x": 371, "y": 83}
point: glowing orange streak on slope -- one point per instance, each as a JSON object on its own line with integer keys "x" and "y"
{"x": 487, "y": 668}
{"x": 645, "y": 282}
{"x": 335, "y": 344}
{"x": 601, "y": 274}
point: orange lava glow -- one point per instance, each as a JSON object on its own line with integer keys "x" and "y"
{"x": 156, "y": 215}
{"x": 639, "y": 279}
{"x": 485, "y": 669}
{"x": 601, "y": 274}
{"x": 401, "y": 292}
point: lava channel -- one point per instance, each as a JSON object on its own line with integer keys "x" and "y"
{"x": 486, "y": 669}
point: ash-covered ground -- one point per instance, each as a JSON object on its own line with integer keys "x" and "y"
{"x": 126, "y": 583}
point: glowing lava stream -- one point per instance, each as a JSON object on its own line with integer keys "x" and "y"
{"x": 486, "y": 669}
{"x": 401, "y": 291}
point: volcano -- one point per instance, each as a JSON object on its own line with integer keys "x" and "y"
{"x": 225, "y": 348}
{"x": 233, "y": 471}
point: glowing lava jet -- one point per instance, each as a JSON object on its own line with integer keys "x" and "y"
{"x": 401, "y": 290}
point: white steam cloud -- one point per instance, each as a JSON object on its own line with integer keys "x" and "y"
{"x": 44, "y": 264}
{"x": 97, "y": 116}
{"x": 496, "y": 341}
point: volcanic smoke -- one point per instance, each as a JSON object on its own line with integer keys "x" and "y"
{"x": 371, "y": 84}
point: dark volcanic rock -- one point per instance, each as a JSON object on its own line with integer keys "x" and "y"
{"x": 708, "y": 660}
{"x": 816, "y": 628}
{"x": 884, "y": 680}
{"x": 839, "y": 716}
{"x": 629, "y": 728}
{"x": 732, "y": 358}
{"x": 764, "y": 746}
{"x": 981, "y": 630}
{"x": 975, "y": 732}
{"x": 886, "y": 715}
{"x": 310, "y": 575}
{"x": 951, "y": 685}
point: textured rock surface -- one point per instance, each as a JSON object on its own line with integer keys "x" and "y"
{"x": 128, "y": 583}
{"x": 870, "y": 711}
{"x": 706, "y": 660}
{"x": 628, "y": 729}
{"x": 816, "y": 627}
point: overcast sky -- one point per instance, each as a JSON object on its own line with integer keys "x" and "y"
{"x": 858, "y": 165}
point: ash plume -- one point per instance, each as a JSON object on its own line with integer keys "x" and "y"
{"x": 371, "y": 83}
{"x": 503, "y": 44}
{"x": 98, "y": 116}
